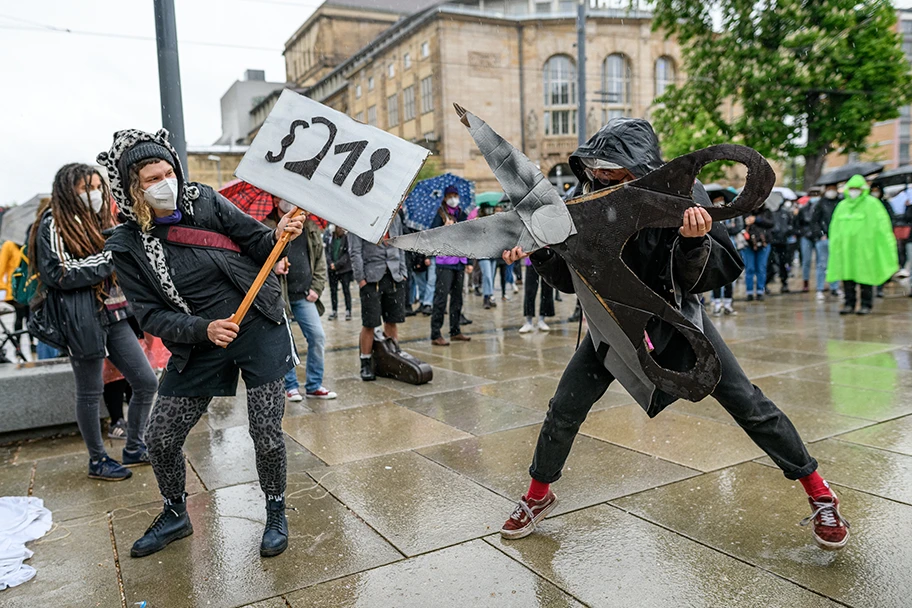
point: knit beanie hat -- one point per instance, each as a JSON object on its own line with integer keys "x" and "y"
{"x": 140, "y": 151}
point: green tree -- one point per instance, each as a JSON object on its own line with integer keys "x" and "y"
{"x": 788, "y": 77}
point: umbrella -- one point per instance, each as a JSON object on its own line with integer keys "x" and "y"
{"x": 16, "y": 220}
{"x": 787, "y": 193}
{"x": 248, "y": 198}
{"x": 489, "y": 199}
{"x": 426, "y": 197}
{"x": 714, "y": 190}
{"x": 844, "y": 173}
{"x": 895, "y": 177}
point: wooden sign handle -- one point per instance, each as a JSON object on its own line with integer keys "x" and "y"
{"x": 241, "y": 312}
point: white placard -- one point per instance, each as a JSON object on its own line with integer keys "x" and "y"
{"x": 348, "y": 173}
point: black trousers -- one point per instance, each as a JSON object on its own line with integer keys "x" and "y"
{"x": 449, "y": 284}
{"x": 530, "y": 288}
{"x": 723, "y": 292}
{"x": 851, "y": 297}
{"x": 344, "y": 280}
{"x": 780, "y": 262}
{"x": 585, "y": 381}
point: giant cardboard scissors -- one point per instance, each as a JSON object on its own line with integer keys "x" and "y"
{"x": 589, "y": 233}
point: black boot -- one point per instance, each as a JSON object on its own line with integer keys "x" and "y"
{"x": 170, "y": 525}
{"x": 367, "y": 369}
{"x": 275, "y": 536}
{"x": 487, "y": 302}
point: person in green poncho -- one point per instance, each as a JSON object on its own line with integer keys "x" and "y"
{"x": 862, "y": 245}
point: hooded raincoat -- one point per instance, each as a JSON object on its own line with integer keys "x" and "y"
{"x": 862, "y": 245}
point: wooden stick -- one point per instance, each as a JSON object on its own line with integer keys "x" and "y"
{"x": 241, "y": 312}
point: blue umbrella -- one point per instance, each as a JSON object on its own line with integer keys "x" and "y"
{"x": 422, "y": 203}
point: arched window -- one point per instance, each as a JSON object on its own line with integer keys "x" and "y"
{"x": 560, "y": 96}
{"x": 665, "y": 74}
{"x": 616, "y": 96}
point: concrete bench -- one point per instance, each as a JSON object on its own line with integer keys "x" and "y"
{"x": 37, "y": 394}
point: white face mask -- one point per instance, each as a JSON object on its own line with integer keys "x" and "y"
{"x": 162, "y": 195}
{"x": 452, "y": 202}
{"x": 830, "y": 194}
{"x": 854, "y": 192}
{"x": 285, "y": 206}
{"x": 93, "y": 199}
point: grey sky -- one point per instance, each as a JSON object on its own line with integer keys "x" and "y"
{"x": 64, "y": 94}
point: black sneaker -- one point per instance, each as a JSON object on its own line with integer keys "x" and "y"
{"x": 847, "y": 310}
{"x": 464, "y": 321}
{"x": 170, "y": 525}
{"x": 136, "y": 458}
{"x": 348, "y": 315}
{"x": 367, "y": 370}
{"x": 275, "y": 536}
{"x": 750, "y": 297}
{"x": 864, "y": 310}
{"x": 332, "y": 316}
{"x": 759, "y": 297}
{"x": 107, "y": 469}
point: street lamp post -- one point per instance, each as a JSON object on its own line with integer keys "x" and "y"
{"x": 218, "y": 167}
{"x": 581, "y": 72}
{"x": 169, "y": 81}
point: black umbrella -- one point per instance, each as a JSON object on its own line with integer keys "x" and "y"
{"x": 895, "y": 177}
{"x": 844, "y": 173}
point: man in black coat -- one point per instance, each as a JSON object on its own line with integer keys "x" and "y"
{"x": 700, "y": 256}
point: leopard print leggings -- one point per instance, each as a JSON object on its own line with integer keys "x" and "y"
{"x": 173, "y": 417}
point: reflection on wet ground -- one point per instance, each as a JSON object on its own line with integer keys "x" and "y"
{"x": 398, "y": 491}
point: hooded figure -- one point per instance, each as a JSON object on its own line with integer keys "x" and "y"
{"x": 862, "y": 244}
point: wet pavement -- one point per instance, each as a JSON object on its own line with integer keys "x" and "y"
{"x": 398, "y": 491}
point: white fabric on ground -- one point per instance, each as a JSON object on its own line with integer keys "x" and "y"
{"x": 22, "y": 519}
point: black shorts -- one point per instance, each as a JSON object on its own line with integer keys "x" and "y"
{"x": 386, "y": 299}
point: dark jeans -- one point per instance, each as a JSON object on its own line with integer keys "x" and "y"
{"x": 449, "y": 283}
{"x": 530, "y": 288}
{"x": 723, "y": 292}
{"x": 127, "y": 355}
{"x": 344, "y": 280}
{"x": 585, "y": 381}
{"x": 851, "y": 298}
{"x": 780, "y": 262}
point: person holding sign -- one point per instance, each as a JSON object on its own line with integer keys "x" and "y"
{"x": 185, "y": 257}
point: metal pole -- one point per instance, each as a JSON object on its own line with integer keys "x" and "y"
{"x": 169, "y": 81}
{"x": 581, "y": 72}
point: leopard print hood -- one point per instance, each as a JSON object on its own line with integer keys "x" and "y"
{"x": 110, "y": 160}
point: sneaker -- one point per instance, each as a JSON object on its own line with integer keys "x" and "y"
{"x": 846, "y": 310}
{"x": 118, "y": 430}
{"x": 542, "y": 326}
{"x": 515, "y": 288}
{"x": 821, "y": 296}
{"x": 717, "y": 310}
{"x": 107, "y": 469}
{"x": 427, "y": 310}
{"x": 322, "y": 393}
{"x": 294, "y": 395}
{"x": 505, "y": 298}
{"x": 759, "y": 297}
{"x": 348, "y": 315}
{"x": 170, "y": 525}
{"x": 526, "y": 515}
{"x": 136, "y": 458}
{"x": 831, "y": 530}
{"x": 902, "y": 274}
{"x": 728, "y": 310}
{"x": 864, "y": 310}
{"x": 487, "y": 303}
{"x": 332, "y": 316}
{"x": 526, "y": 328}
{"x": 750, "y": 297}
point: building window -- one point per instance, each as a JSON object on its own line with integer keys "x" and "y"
{"x": 425, "y": 49}
{"x": 408, "y": 103}
{"x": 370, "y": 83}
{"x": 359, "y": 116}
{"x": 427, "y": 96}
{"x": 406, "y": 61}
{"x": 392, "y": 70}
{"x": 616, "y": 80}
{"x": 665, "y": 74}
{"x": 372, "y": 116}
{"x": 560, "y": 96}
{"x": 358, "y": 92}
{"x": 542, "y": 8}
{"x": 392, "y": 110}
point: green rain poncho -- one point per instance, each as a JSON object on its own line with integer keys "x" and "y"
{"x": 862, "y": 245}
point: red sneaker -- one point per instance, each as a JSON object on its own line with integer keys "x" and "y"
{"x": 526, "y": 515}
{"x": 831, "y": 531}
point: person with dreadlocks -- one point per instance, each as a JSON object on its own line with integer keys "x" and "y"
{"x": 88, "y": 313}
{"x": 186, "y": 257}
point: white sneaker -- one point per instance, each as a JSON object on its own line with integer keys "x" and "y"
{"x": 515, "y": 288}
{"x": 321, "y": 393}
{"x": 542, "y": 326}
{"x": 902, "y": 274}
{"x": 294, "y": 395}
{"x": 717, "y": 309}
{"x": 728, "y": 310}
{"x": 526, "y": 328}
{"x": 821, "y": 296}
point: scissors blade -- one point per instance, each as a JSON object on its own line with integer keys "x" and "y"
{"x": 482, "y": 239}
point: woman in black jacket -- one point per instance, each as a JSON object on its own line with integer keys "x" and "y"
{"x": 186, "y": 257}
{"x": 86, "y": 313}
{"x": 339, "y": 265}
{"x": 756, "y": 253}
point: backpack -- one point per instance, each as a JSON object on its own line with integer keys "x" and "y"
{"x": 23, "y": 284}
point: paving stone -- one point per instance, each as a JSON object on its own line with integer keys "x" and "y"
{"x": 484, "y": 578}
{"x": 225, "y": 457}
{"x": 419, "y": 516}
{"x": 472, "y": 412}
{"x": 75, "y": 567}
{"x": 757, "y": 352}
{"x": 750, "y": 512}
{"x": 823, "y": 344}
{"x": 364, "y": 432}
{"x": 595, "y": 471}
{"x": 503, "y": 367}
{"x": 444, "y": 380}
{"x": 894, "y": 435}
{"x": 536, "y": 392}
{"x": 354, "y": 392}
{"x": 859, "y": 376}
{"x": 606, "y": 557}
{"x": 900, "y": 358}
{"x": 694, "y": 442}
{"x": 14, "y": 479}
{"x": 220, "y": 564}
{"x": 37, "y": 449}
{"x": 838, "y": 399}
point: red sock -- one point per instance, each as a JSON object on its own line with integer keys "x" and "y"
{"x": 815, "y": 486}
{"x": 537, "y": 490}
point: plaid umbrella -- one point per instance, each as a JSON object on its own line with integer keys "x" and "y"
{"x": 251, "y": 200}
{"x": 423, "y": 201}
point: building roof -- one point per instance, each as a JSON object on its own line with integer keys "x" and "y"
{"x": 402, "y": 7}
